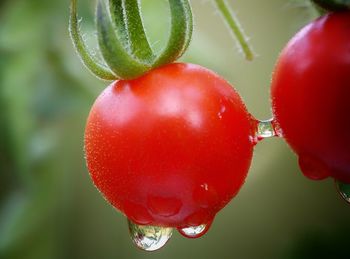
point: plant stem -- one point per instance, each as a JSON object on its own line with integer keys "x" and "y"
{"x": 235, "y": 28}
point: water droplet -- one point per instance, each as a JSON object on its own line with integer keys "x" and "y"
{"x": 266, "y": 129}
{"x": 149, "y": 238}
{"x": 194, "y": 232}
{"x": 165, "y": 207}
{"x": 221, "y": 112}
{"x": 313, "y": 168}
{"x": 344, "y": 190}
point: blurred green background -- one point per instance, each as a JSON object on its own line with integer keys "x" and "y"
{"x": 49, "y": 208}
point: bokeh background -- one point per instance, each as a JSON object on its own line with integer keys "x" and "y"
{"x": 49, "y": 208}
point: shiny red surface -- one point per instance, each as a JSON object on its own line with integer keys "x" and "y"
{"x": 311, "y": 96}
{"x": 170, "y": 148}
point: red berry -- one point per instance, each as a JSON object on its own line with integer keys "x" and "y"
{"x": 311, "y": 96}
{"x": 170, "y": 148}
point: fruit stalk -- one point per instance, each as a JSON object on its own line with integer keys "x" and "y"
{"x": 235, "y": 28}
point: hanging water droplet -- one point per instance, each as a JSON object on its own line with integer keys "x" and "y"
{"x": 194, "y": 232}
{"x": 265, "y": 129}
{"x": 149, "y": 238}
{"x": 344, "y": 190}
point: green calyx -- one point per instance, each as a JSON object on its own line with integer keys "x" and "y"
{"x": 123, "y": 42}
{"x": 333, "y": 5}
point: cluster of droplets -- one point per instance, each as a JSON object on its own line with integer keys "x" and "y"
{"x": 152, "y": 238}
{"x": 269, "y": 128}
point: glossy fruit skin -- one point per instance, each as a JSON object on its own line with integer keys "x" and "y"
{"x": 170, "y": 148}
{"x": 311, "y": 96}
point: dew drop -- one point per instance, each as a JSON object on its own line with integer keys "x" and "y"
{"x": 149, "y": 238}
{"x": 266, "y": 129}
{"x": 344, "y": 190}
{"x": 194, "y": 232}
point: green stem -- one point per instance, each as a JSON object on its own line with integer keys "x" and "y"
{"x": 118, "y": 59}
{"x": 180, "y": 32}
{"x": 88, "y": 60}
{"x": 235, "y": 28}
{"x": 139, "y": 43}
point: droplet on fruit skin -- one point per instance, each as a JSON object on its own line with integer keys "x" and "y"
{"x": 165, "y": 207}
{"x": 313, "y": 168}
{"x": 194, "y": 232}
{"x": 149, "y": 238}
{"x": 344, "y": 190}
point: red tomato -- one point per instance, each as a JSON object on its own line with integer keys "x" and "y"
{"x": 311, "y": 96}
{"x": 170, "y": 148}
